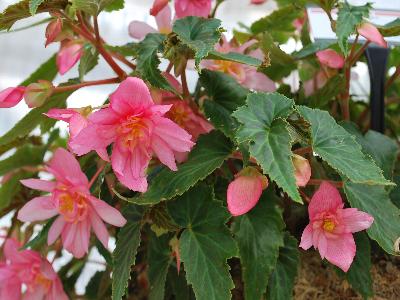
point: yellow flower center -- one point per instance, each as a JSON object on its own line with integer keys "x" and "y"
{"x": 328, "y": 225}
{"x": 44, "y": 281}
{"x": 133, "y": 130}
{"x": 179, "y": 114}
{"x": 73, "y": 207}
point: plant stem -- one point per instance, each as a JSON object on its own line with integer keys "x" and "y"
{"x": 96, "y": 175}
{"x": 185, "y": 88}
{"x": 214, "y": 11}
{"x": 61, "y": 89}
{"x": 303, "y": 150}
{"x": 392, "y": 78}
{"x": 338, "y": 184}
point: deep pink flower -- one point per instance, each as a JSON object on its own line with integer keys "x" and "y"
{"x": 138, "y": 30}
{"x": 331, "y": 227}
{"x": 371, "y": 33}
{"x": 29, "y": 268}
{"x": 331, "y": 58}
{"x": 258, "y": 1}
{"x": 244, "y": 192}
{"x": 53, "y": 29}
{"x": 11, "y": 96}
{"x": 70, "y": 199}
{"x": 199, "y": 8}
{"x": 244, "y": 74}
{"x": 158, "y": 5}
{"x": 302, "y": 170}
{"x": 68, "y": 55}
{"x": 138, "y": 129}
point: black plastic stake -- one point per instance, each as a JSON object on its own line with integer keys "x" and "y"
{"x": 377, "y": 58}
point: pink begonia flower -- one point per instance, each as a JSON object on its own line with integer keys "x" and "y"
{"x": 299, "y": 23}
{"x": 158, "y": 5}
{"x": 331, "y": 227}
{"x": 331, "y": 58}
{"x": 53, "y": 29}
{"x": 70, "y": 200}
{"x": 314, "y": 84}
{"x": 258, "y": 1}
{"x": 244, "y": 192}
{"x": 11, "y": 96}
{"x": 29, "y": 268}
{"x": 244, "y": 74}
{"x": 371, "y": 33}
{"x": 302, "y": 170}
{"x": 138, "y": 30}
{"x": 138, "y": 129}
{"x": 198, "y": 8}
{"x": 68, "y": 55}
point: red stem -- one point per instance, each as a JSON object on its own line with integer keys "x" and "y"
{"x": 61, "y": 89}
{"x": 338, "y": 184}
{"x": 96, "y": 175}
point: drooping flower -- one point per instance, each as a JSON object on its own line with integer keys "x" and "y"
{"x": 371, "y": 33}
{"x": 29, "y": 268}
{"x": 68, "y": 55}
{"x": 198, "y": 8}
{"x": 244, "y": 74}
{"x": 138, "y": 30}
{"x": 11, "y": 96}
{"x": 158, "y": 5}
{"x": 70, "y": 200}
{"x": 244, "y": 192}
{"x": 302, "y": 170}
{"x": 37, "y": 93}
{"x": 331, "y": 227}
{"x": 138, "y": 129}
{"x": 53, "y": 29}
{"x": 331, "y": 58}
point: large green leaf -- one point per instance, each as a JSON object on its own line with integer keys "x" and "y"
{"x": 225, "y": 96}
{"x": 115, "y": 5}
{"x": 125, "y": 251}
{"x": 208, "y": 155}
{"x": 375, "y": 201}
{"x": 21, "y": 10}
{"x": 339, "y": 149}
{"x": 92, "y": 7}
{"x": 47, "y": 71}
{"x": 281, "y": 282}
{"x": 265, "y": 128}
{"x": 27, "y": 155}
{"x": 198, "y": 34}
{"x": 159, "y": 258}
{"x": 205, "y": 243}
{"x": 349, "y": 17}
{"x": 235, "y": 57}
{"x": 148, "y": 61}
{"x": 259, "y": 234}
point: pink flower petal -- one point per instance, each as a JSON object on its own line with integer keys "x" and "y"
{"x": 53, "y": 29}
{"x": 326, "y": 198}
{"x": 341, "y": 251}
{"x": 63, "y": 114}
{"x": 302, "y": 170}
{"x": 371, "y": 33}
{"x": 38, "y": 184}
{"x": 68, "y": 56}
{"x": 331, "y": 58}
{"x": 258, "y": 81}
{"x": 37, "y": 209}
{"x": 138, "y": 30}
{"x": 108, "y": 213}
{"x": 11, "y": 96}
{"x": 164, "y": 153}
{"x": 55, "y": 230}
{"x": 306, "y": 238}
{"x": 99, "y": 229}
{"x": 158, "y": 5}
{"x": 163, "y": 20}
{"x": 355, "y": 220}
{"x": 199, "y": 8}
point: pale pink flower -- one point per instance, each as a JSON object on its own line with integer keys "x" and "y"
{"x": 53, "y": 29}
{"x": 70, "y": 200}
{"x": 138, "y": 129}
{"x": 244, "y": 192}
{"x": 138, "y": 30}
{"x": 158, "y": 5}
{"x": 29, "y": 268}
{"x": 258, "y": 1}
{"x": 198, "y": 8}
{"x": 244, "y": 74}
{"x": 302, "y": 170}
{"x": 331, "y": 58}
{"x": 11, "y": 96}
{"x": 68, "y": 55}
{"x": 315, "y": 83}
{"x": 331, "y": 227}
{"x": 371, "y": 33}
{"x": 299, "y": 23}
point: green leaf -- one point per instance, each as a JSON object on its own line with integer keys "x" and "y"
{"x": 259, "y": 234}
{"x": 235, "y": 57}
{"x": 349, "y": 17}
{"x": 390, "y": 29}
{"x": 375, "y": 200}
{"x": 47, "y": 71}
{"x": 225, "y": 96}
{"x": 312, "y": 48}
{"x": 198, "y": 34}
{"x": 205, "y": 243}
{"x": 359, "y": 274}
{"x": 41, "y": 238}
{"x": 10, "y": 189}
{"x": 179, "y": 286}
{"x": 159, "y": 258}
{"x": 21, "y": 10}
{"x": 115, "y": 5}
{"x": 33, "y": 6}
{"x": 27, "y": 155}
{"x": 88, "y": 61}
{"x": 265, "y": 128}
{"x": 281, "y": 282}
{"x": 208, "y": 155}
{"x": 339, "y": 148}
{"x": 148, "y": 61}
{"x": 92, "y": 7}
{"x": 125, "y": 251}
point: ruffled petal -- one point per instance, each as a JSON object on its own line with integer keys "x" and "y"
{"x": 325, "y": 199}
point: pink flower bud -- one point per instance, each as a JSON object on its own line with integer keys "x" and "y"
{"x": 37, "y": 93}
{"x": 53, "y": 30}
{"x": 68, "y": 56}
{"x": 11, "y": 96}
{"x": 331, "y": 58}
{"x": 371, "y": 33}
{"x": 158, "y": 5}
{"x": 302, "y": 170}
{"x": 258, "y": 1}
{"x": 244, "y": 192}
